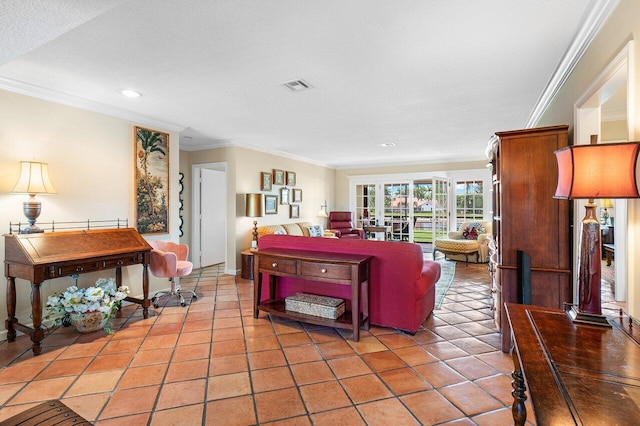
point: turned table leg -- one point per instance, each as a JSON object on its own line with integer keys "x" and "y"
{"x": 11, "y": 309}
{"x": 37, "y": 335}
{"x": 518, "y": 409}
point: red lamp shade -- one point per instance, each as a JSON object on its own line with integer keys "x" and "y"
{"x": 598, "y": 171}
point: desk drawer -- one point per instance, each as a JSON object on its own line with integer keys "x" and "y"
{"x": 123, "y": 261}
{"x": 77, "y": 268}
{"x": 276, "y": 264}
{"x": 325, "y": 270}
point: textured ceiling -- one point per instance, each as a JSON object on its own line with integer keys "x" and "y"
{"x": 437, "y": 78}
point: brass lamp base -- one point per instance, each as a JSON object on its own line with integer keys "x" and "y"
{"x": 31, "y": 209}
{"x": 31, "y": 230}
{"x": 581, "y": 317}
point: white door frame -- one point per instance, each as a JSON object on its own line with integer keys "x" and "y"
{"x": 195, "y": 210}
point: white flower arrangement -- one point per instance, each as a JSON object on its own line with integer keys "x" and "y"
{"x": 103, "y": 297}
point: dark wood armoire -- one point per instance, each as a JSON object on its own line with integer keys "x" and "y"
{"x": 527, "y": 219}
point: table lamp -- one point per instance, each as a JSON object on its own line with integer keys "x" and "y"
{"x": 34, "y": 179}
{"x": 590, "y": 172}
{"x": 253, "y": 208}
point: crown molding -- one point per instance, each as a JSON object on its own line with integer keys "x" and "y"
{"x": 591, "y": 23}
{"x": 226, "y": 144}
{"x": 85, "y": 104}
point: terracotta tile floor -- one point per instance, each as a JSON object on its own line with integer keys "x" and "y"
{"x": 213, "y": 363}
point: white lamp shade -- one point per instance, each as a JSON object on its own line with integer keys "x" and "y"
{"x": 34, "y": 179}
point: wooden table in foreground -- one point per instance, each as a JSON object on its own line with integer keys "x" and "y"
{"x": 43, "y": 256}
{"x": 576, "y": 374}
{"x": 338, "y": 268}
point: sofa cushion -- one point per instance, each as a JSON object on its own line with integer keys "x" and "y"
{"x": 304, "y": 226}
{"x": 270, "y": 229}
{"x": 293, "y": 229}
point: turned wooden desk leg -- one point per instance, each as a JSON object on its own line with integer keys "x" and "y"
{"x": 37, "y": 334}
{"x": 518, "y": 409}
{"x": 145, "y": 291}
{"x": 11, "y": 309}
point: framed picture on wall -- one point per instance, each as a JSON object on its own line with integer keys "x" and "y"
{"x": 297, "y": 195}
{"x": 151, "y": 181}
{"x": 294, "y": 211}
{"x": 278, "y": 177}
{"x": 291, "y": 178}
{"x": 270, "y": 204}
{"x": 265, "y": 181}
{"x": 284, "y": 195}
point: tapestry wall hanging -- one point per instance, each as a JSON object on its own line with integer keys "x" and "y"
{"x": 151, "y": 181}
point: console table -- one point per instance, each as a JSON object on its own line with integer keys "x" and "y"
{"x": 42, "y": 256}
{"x": 338, "y": 268}
{"x": 576, "y": 374}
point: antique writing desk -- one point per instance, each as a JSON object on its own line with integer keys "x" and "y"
{"x": 338, "y": 268}
{"x": 43, "y": 256}
{"x": 577, "y": 374}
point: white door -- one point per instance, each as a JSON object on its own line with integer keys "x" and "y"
{"x": 398, "y": 210}
{"x": 440, "y": 207}
{"x": 213, "y": 215}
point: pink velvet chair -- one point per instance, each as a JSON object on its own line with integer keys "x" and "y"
{"x": 169, "y": 260}
{"x": 340, "y": 223}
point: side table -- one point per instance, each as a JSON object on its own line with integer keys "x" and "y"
{"x": 247, "y": 264}
{"x": 384, "y": 230}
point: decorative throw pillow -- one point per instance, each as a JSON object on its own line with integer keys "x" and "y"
{"x": 472, "y": 230}
{"x": 479, "y": 227}
{"x": 280, "y": 232}
{"x": 316, "y": 231}
{"x": 470, "y": 233}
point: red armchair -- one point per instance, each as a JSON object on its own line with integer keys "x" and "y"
{"x": 340, "y": 223}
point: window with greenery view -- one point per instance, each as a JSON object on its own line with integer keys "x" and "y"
{"x": 469, "y": 201}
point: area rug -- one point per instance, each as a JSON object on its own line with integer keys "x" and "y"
{"x": 447, "y": 272}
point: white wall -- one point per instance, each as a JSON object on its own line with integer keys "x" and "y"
{"x": 91, "y": 165}
{"x": 243, "y": 176}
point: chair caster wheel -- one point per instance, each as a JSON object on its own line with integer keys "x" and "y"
{"x": 155, "y": 305}
{"x": 194, "y": 297}
{"x": 183, "y": 304}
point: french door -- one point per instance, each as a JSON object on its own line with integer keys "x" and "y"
{"x": 412, "y": 211}
{"x": 440, "y": 207}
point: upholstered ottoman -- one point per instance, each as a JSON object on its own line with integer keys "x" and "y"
{"x": 450, "y": 246}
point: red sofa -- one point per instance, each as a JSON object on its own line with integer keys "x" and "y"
{"x": 401, "y": 286}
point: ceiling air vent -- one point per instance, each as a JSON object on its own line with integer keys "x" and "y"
{"x": 297, "y": 85}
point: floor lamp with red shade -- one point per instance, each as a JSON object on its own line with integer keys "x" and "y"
{"x": 590, "y": 172}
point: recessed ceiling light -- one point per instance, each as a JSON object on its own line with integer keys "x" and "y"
{"x": 130, "y": 93}
{"x": 388, "y": 144}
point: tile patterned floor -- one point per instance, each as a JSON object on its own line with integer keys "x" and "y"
{"x": 212, "y": 363}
